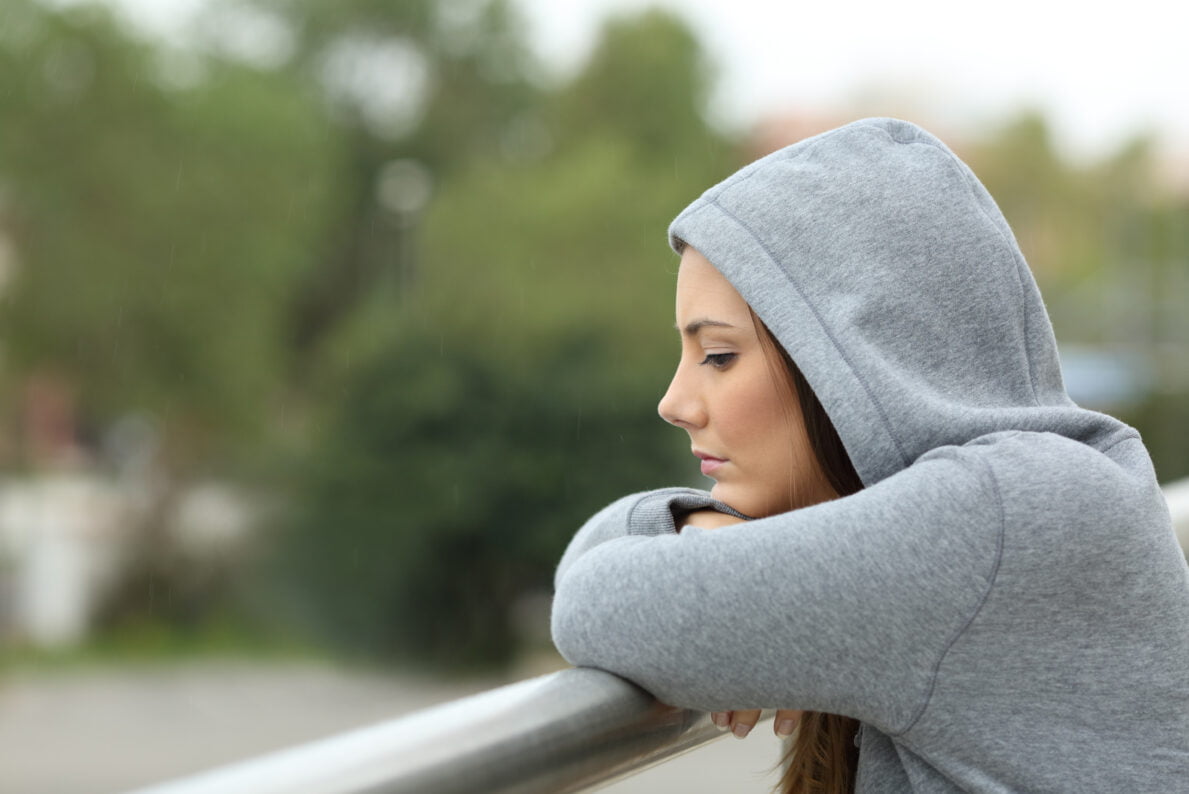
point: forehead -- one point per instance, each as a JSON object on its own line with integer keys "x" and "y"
{"x": 704, "y": 293}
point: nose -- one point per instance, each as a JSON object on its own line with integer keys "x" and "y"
{"x": 681, "y": 405}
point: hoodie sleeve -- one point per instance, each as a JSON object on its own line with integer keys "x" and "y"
{"x": 847, "y": 607}
{"x": 647, "y": 513}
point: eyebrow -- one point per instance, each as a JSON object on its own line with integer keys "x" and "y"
{"x": 694, "y": 327}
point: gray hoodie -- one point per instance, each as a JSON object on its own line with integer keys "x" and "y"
{"x": 1003, "y": 606}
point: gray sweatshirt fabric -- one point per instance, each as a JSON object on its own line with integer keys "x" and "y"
{"x": 1004, "y": 606}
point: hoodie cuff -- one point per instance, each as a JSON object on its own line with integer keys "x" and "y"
{"x": 656, "y": 513}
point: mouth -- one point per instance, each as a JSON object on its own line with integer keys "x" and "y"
{"x": 709, "y": 462}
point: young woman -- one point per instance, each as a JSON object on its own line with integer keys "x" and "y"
{"x": 963, "y": 580}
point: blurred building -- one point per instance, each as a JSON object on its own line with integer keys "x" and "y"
{"x": 62, "y": 539}
{"x": 68, "y": 538}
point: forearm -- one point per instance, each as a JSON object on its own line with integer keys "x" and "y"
{"x": 660, "y": 512}
{"x": 822, "y": 587}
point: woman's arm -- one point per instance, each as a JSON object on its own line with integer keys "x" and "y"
{"x": 659, "y": 512}
{"x": 845, "y": 607}
{"x": 739, "y": 722}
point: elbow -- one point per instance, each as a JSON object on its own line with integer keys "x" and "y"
{"x": 582, "y": 623}
{"x": 578, "y": 614}
{"x": 589, "y": 620}
{"x": 565, "y": 628}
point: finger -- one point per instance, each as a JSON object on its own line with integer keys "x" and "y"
{"x": 743, "y": 721}
{"x": 721, "y": 719}
{"x": 786, "y": 722}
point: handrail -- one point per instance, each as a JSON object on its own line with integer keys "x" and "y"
{"x": 1177, "y": 496}
{"x": 563, "y": 732}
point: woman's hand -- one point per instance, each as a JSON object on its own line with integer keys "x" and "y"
{"x": 740, "y": 723}
{"x": 707, "y": 519}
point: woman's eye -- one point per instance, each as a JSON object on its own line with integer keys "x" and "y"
{"x": 719, "y": 360}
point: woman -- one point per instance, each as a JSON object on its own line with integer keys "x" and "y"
{"x": 952, "y": 567}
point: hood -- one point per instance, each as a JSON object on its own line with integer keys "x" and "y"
{"x": 884, "y": 268}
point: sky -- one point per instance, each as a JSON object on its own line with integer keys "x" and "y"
{"x": 1100, "y": 73}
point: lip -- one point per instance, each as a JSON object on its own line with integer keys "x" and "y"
{"x": 709, "y": 462}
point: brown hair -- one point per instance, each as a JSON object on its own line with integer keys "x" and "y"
{"x": 821, "y": 756}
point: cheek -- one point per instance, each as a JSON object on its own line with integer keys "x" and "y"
{"x": 760, "y": 416}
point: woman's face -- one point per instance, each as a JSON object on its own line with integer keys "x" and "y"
{"x": 733, "y": 396}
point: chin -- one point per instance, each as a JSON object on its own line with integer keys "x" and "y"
{"x": 750, "y": 503}
{"x": 738, "y": 499}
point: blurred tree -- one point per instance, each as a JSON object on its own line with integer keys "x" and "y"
{"x": 158, "y": 233}
{"x": 575, "y": 238}
{"x": 1043, "y": 196}
{"x": 1108, "y": 246}
{"x": 647, "y": 82}
{"x": 511, "y": 390}
{"x": 445, "y": 489}
{"x": 159, "y": 230}
{"x": 438, "y": 84}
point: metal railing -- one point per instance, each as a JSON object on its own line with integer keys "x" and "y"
{"x": 1177, "y": 496}
{"x": 563, "y": 732}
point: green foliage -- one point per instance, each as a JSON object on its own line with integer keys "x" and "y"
{"x": 447, "y": 486}
{"x": 512, "y": 255}
{"x": 535, "y": 338}
{"x": 1045, "y": 198}
{"x": 473, "y": 55}
{"x": 1109, "y": 247}
{"x": 158, "y": 233}
{"x": 647, "y": 81}
{"x": 574, "y": 241}
{"x": 479, "y": 100}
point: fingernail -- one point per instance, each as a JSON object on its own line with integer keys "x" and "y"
{"x": 784, "y": 728}
{"x": 741, "y": 730}
{"x": 720, "y": 720}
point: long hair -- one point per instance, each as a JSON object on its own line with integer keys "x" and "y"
{"x": 820, "y": 757}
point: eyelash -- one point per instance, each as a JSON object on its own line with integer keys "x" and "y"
{"x": 719, "y": 360}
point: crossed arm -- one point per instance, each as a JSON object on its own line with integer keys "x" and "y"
{"x": 739, "y": 723}
{"x": 843, "y": 607}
